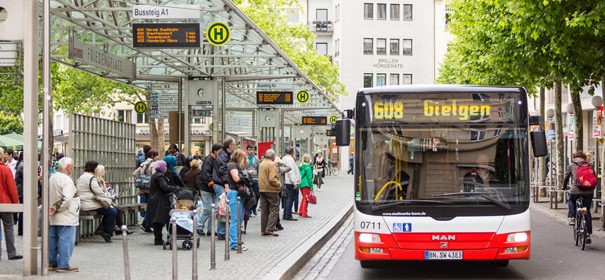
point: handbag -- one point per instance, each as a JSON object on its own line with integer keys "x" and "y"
{"x": 243, "y": 191}
{"x": 143, "y": 181}
{"x": 105, "y": 201}
{"x": 312, "y": 198}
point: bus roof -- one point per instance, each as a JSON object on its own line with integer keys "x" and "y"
{"x": 440, "y": 88}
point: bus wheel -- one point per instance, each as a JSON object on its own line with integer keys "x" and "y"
{"x": 500, "y": 263}
{"x": 369, "y": 264}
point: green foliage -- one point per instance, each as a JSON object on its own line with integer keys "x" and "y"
{"x": 296, "y": 40}
{"x": 526, "y": 42}
{"x": 10, "y": 123}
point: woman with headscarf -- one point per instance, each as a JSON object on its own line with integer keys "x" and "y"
{"x": 158, "y": 207}
{"x": 171, "y": 172}
{"x": 100, "y": 174}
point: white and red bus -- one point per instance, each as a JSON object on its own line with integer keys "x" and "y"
{"x": 441, "y": 173}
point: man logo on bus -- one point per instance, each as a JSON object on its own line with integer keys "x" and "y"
{"x": 443, "y": 237}
{"x": 462, "y": 111}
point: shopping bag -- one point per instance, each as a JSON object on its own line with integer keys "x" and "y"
{"x": 312, "y": 198}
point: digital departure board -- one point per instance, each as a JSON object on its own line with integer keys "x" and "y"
{"x": 166, "y": 35}
{"x": 314, "y": 120}
{"x": 273, "y": 97}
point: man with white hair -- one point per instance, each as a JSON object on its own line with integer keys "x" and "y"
{"x": 8, "y": 194}
{"x": 64, "y": 217}
{"x": 269, "y": 187}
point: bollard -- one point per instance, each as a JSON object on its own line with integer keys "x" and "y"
{"x": 125, "y": 247}
{"x": 212, "y": 236}
{"x": 227, "y": 223}
{"x": 195, "y": 244}
{"x": 239, "y": 226}
{"x": 175, "y": 273}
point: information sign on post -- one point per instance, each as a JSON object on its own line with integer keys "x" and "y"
{"x": 166, "y": 35}
{"x": 274, "y": 97}
{"x": 314, "y": 120}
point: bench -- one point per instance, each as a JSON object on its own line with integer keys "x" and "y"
{"x": 90, "y": 220}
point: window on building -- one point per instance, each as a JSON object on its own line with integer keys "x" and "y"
{"x": 407, "y": 12}
{"x": 141, "y": 118}
{"x": 406, "y": 79}
{"x": 321, "y": 15}
{"x": 394, "y": 47}
{"x": 394, "y": 79}
{"x": 382, "y": 11}
{"x": 395, "y": 13}
{"x": 124, "y": 116}
{"x": 368, "y": 10}
{"x": 368, "y": 46}
{"x": 336, "y": 47}
{"x": 381, "y": 79}
{"x": 368, "y": 79}
{"x": 381, "y": 46}
{"x": 321, "y": 48}
{"x": 407, "y": 46}
{"x": 201, "y": 120}
{"x": 337, "y": 13}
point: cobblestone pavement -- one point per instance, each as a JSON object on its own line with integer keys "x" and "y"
{"x": 267, "y": 257}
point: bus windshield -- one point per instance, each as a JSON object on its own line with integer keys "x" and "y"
{"x": 420, "y": 162}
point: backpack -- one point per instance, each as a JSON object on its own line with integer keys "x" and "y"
{"x": 585, "y": 177}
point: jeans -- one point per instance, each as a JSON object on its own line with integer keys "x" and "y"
{"x": 61, "y": 241}
{"x": 208, "y": 199}
{"x": 232, "y": 197}
{"x": 109, "y": 219}
{"x": 9, "y": 233}
{"x": 586, "y": 201}
{"x": 143, "y": 198}
{"x": 292, "y": 194}
{"x": 220, "y": 227}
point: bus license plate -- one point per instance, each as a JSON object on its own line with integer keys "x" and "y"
{"x": 442, "y": 255}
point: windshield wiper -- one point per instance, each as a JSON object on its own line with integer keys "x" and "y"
{"x": 402, "y": 202}
{"x": 479, "y": 194}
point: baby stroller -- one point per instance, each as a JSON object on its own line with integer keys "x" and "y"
{"x": 183, "y": 200}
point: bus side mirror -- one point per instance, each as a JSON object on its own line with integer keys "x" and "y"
{"x": 343, "y": 132}
{"x": 538, "y": 143}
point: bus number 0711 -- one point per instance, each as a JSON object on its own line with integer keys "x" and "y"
{"x": 370, "y": 225}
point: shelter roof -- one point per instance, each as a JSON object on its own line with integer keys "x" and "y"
{"x": 250, "y": 58}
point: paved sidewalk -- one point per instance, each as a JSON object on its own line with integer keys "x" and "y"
{"x": 267, "y": 257}
{"x": 560, "y": 214}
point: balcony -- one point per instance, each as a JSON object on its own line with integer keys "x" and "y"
{"x": 324, "y": 27}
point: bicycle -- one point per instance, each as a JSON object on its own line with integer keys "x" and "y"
{"x": 579, "y": 227}
{"x": 334, "y": 168}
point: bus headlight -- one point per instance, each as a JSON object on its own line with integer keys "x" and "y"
{"x": 517, "y": 237}
{"x": 369, "y": 238}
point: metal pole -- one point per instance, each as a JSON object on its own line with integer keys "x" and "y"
{"x": 175, "y": 273}
{"x": 227, "y": 222}
{"x": 126, "y": 257}
{"x": 30, "y": 135}
{"x": 212, "y": 240}
{"x": 47, "y": 135}
{"x": 239, "y": 227}
{"x": 195, "y": 242}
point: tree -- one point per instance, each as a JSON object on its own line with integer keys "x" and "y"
{"x": 536, "y": 43}
{"x": 296, "y": 40}
{"x": 10, "y": 123}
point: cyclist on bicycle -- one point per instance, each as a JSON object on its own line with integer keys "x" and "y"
{"x": 575, "y": 192}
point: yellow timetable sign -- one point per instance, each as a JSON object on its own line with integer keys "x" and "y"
{"x": 274, "y": 97}
{"x": 166, "y": 35}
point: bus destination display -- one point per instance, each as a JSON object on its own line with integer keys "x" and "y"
{"x": 166, "y": 35}
{"x": 273, "y": 97}
{"x": 314, "y": 120}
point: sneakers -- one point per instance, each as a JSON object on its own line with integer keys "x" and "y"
{"x": 69, "y": 269}
{"x": 244, "y": 248}
{"x": 588, "y": 240}
{"x": 15, "y": 257}
{"x": 158, "y": 242}
{"x": 572, "y": 221}
{"x": 146, "y": 229}
{"x": 201, "y": 232}
{"x": 52, "y": 267}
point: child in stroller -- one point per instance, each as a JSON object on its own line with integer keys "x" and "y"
{"x": 183, "y": 200}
